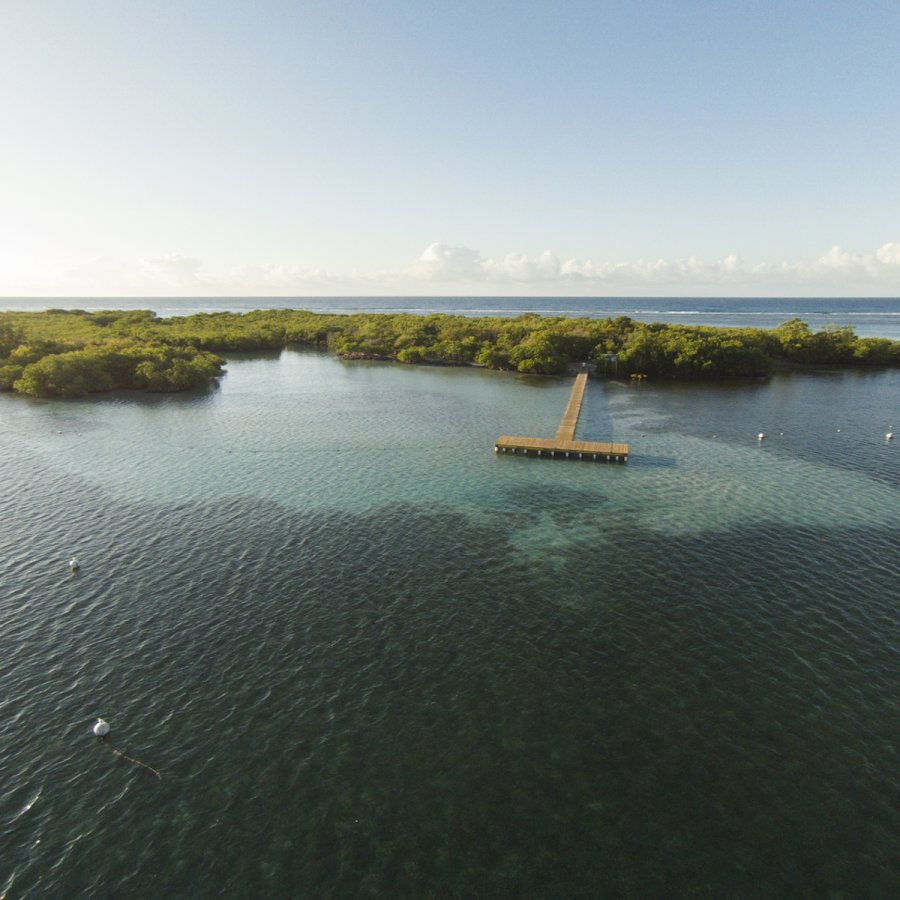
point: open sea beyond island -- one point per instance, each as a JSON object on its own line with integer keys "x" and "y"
{"x": 870, "y": 317}
{"x": 372, "y": 658}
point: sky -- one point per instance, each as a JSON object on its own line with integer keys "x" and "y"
{"x": 387, "y": 147}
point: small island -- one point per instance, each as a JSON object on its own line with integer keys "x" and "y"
{"x": 73, "y": 353}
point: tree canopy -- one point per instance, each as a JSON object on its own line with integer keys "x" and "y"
{"x": 71, "y": 353}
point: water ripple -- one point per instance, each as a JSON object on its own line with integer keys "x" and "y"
{"x": 520, "y": 680}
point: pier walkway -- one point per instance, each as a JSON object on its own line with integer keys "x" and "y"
{"x": 564, "y": 444}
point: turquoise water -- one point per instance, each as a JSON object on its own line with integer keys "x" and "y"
{"x": 371, "y": 658}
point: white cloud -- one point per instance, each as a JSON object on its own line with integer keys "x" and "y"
{"x": 440, "y": 262}
{"x": 836, "y": 271}
{"x": 888, "y": 254}
{"x": 443, "y": 268}
{"x": 165, "y": 274}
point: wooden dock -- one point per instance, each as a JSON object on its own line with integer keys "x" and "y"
{"x": 566, "y": 430}
{"x": 564, "y": 444}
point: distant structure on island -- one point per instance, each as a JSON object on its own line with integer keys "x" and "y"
{"x": 564, "y": 444}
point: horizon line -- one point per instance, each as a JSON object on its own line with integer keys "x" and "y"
{"x": 445, "y": 297}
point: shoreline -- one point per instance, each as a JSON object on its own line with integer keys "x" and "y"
{"x": 869, "y": 316}
{"x": 73, "y": 353}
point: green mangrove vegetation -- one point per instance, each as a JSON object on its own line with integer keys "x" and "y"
{"x": 71, "y": 353}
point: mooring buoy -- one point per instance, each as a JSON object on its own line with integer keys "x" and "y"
{"x": 101, "y": 728}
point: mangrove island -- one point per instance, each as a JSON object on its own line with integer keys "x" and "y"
{"x": 72, "y": 353}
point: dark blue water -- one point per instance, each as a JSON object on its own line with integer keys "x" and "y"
{"x": 371, "y": 658}
{"x": 870, "y": 317}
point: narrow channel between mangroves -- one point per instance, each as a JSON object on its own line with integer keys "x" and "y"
{"x": 73, "y": 353}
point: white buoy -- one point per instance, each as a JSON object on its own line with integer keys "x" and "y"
{"x": 101, "y": 728}
{"x": 73, "y": 565}
{"x": 889, "y": 436}
{"x": 761, "y": 436}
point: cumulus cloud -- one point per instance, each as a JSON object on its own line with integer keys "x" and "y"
{"x": 163, "y": 274}
{"x": 888, "y": 254}
{"x": 444, "y": 268}
{"x": 837, "y": 270}
{"x": 440, "y": 262}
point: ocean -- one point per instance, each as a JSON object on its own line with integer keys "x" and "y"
{"x": 370, "y": 657}
{"x": 870, "y": 317}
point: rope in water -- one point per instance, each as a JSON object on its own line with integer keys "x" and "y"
{"x": 131, "y": 759}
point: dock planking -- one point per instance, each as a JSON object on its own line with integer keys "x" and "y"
{"x": 564, "y": 444}
{"x": 566, "y": 430}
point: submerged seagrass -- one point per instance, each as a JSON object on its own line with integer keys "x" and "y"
{"x": 410, "y": 667}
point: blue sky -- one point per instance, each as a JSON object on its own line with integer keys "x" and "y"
{"x": 605, "y": 148}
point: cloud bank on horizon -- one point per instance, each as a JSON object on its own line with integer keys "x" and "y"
{"x": 442, "y": 269}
